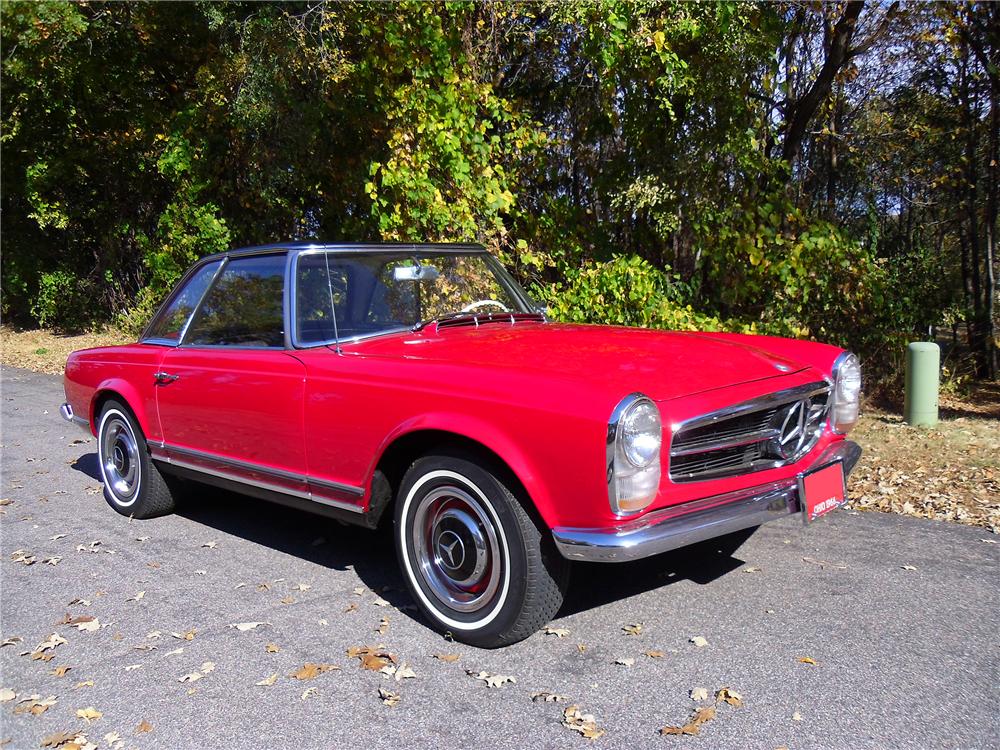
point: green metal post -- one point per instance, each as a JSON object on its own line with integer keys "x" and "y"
{"x": 923, "y": 365}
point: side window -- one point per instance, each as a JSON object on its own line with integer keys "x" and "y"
{"x": 244, "y": 308}
{"x": 170, "y": 323}
{"x": 317, "y": 296}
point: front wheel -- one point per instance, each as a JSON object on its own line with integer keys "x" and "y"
{"x": 133, "y": 485}
{"x": 476, "y": 563}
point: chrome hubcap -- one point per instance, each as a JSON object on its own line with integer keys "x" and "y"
{"x": 457, "y": 550}
{"x": 120, "y": 458}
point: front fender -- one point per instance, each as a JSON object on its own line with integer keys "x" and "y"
{"x": 490, "y": 436}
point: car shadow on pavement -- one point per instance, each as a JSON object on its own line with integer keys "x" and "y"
{"x": 371, "y": 554}
{"x": 88, "y": 464}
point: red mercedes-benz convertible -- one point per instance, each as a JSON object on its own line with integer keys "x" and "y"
{"x": 420, "y": 383}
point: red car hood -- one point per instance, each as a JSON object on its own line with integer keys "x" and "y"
{"x": 661, "y": 364}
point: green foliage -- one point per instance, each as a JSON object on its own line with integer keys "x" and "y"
{"x": 623, "y": 158}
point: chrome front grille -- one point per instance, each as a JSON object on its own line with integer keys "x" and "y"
{"x": 764, "y": 433}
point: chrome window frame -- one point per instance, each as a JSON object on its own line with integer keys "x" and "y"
{"x": 175, "y": 293}
{"x": 226, "y": 260}
{"x": 505, "y": 280}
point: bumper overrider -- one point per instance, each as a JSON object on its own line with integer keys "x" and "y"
{"x": 698, "y": 520}
{"x": 67, "y": 413}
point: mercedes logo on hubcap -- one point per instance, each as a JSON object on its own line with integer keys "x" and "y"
{"x": 451, "y": 551}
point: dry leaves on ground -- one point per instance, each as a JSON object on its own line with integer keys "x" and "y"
{"x": 633, "y": 629}
{"x": 544, "y": 697}
{"x": 693, "y": 725}
{"x": 950, "y": 472}
{"x": 585, "y": 724}
{"x": 388, "y": 697}
{"x": 491, "y": 680}
{"x": 557, "y": 632}
{"x": 699, "y": 641}
{"x": 309, "y": 670}
{"x": 34, "y": 704}
{"x": 447, "y": 657}
{"x": 374, "y": 658}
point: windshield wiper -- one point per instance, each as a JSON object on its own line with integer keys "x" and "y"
{"x": 438, "y": 318}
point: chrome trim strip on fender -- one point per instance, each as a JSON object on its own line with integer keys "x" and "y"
{"x": 234, "y": 470}
{"x": 698, "y": 520}
{"x": 67, "y": 413}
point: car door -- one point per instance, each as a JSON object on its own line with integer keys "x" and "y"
{"x": 230, "y": 397}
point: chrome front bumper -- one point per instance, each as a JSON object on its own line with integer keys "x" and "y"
{"x": 67, "y": 413}
{"x": 698, "y": 520}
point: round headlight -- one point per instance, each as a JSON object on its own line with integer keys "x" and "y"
{"x": 641, "y": 434}
{"x": 846, "y": 392}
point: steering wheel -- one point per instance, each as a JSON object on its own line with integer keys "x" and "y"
{"x": 472, "y": 306}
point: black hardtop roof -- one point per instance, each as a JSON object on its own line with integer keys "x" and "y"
{"x": 352, "y": 247}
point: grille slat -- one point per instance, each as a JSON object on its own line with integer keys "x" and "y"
{"x": 764, "y": 433}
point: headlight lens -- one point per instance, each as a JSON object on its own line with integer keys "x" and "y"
{"x": 846, "y": 393}
{"x": 635, "y": 434}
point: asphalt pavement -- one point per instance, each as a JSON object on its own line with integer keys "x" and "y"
{"x": 861, "y": 631}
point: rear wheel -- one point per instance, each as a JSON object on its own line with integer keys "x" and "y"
{"x": 133, "y": 485}
{"x": 477, "y": 564}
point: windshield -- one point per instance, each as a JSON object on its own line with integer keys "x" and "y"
{"x": 344, "y": 296}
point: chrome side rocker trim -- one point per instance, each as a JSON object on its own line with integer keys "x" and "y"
{"x": 698, "y": 520}
{"x": 319, "y": 491}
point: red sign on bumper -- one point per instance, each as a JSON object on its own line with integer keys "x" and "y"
{"x": 822, "y": 490}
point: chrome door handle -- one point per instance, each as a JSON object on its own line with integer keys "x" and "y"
{"x": 162, "y": 378}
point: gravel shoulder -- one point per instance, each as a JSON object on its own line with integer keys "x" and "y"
{"x": 899, "y": 614}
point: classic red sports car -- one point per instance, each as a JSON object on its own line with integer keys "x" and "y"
{"x": 420, "y": 383}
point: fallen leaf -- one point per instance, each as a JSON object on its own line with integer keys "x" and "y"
{"x": 113, "y": 737}
{"x": 190, "y": 677}
{"x": 268, "y": 681}
{"x": 796, "y": 716}
{"x": 751, "y": 569}
{"x": 57, "y": 537}
{"x": 989, "y": 541}
{"x": 383, "y": 626}
{"x": 52, "y": 560}
{"x": 654, "y": 654}
{"x": 730, "y": 696}
{"x": 581, "y": 648}
{"x": 34, "y": 705}
{"x": 90, "y": 625}
{"x": 310, "y": 671}
{"x": 699, "y": 641}
{"x": 210, "y": 545}
{"x": 245, "y": 626}
{"x": 359, "y": 590}
{"x": 693, "y": 726}
{"x": 23, "y": 556}
{"x": 543, "y": 697}
{"x": 207, "y": 667}
{"x": 6, "y": 694}
{"x": 351, "y": 607}
{"x": 557, "y": 632}
{"x": 380, "y": 602}
{"x": 491, "y": 680}
{"x": 447, "y": 657}
{"x": 301, "y": 587}
{"x": 137, "y": 597}
{"x": 272, "y": 648}
{"x": 633, "y": 629}
{"x": 133, "y": 667}
{"x": 12, "y": 641}
{"x": 142, "y": 538}
{"x": 50, "y": 643}
{"x": 188, "y": 636}
{"x": 287, "y": 600}
{"x": 627, "y": 662}
{"x": 175, "y": 651}
{"x": 585, "y": 724}
{"x": 807, "y": 660}
{"x": 60, "y": 671}
{"x": 699, "y": 694}
{"x": 84, "y": 683}
{"x": 404, "y": 672}
{"x": 908, "y": 567}
{"x": 308, "y": 693}
{"x": 144, "y": 726}
{"x": 388, "y": 697}
{"x": 88, "y": 714}
{"x": 61, "y": 739}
